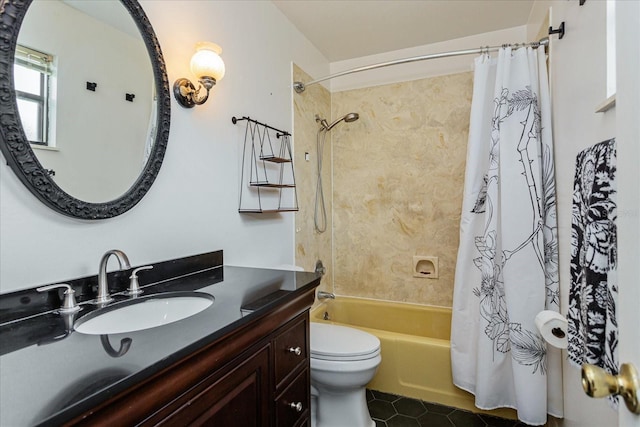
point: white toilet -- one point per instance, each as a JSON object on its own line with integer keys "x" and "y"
{"x": 343, "y": 361}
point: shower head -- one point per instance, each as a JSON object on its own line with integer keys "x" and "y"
{"x": 351, "y": 117}
{"x": 348, "y": 118}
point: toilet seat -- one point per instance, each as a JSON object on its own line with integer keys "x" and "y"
{"x": 341, "y": 343}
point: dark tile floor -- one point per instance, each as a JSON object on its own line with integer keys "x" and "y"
{"x": 389, "y": 410}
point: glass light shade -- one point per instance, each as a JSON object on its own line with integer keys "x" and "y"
{"x": 206, "y": 62}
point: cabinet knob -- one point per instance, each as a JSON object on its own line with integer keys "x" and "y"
{"x": 296, "y": 406}
{"x": 297, "y": 350}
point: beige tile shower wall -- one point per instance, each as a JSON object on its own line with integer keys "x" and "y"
{"x": 310, "y": 245}
{"x": 398, "y": 176}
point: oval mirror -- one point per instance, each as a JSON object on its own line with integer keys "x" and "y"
{"x": 86, "y": 106}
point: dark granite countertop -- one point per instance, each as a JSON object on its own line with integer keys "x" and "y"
{"x": 49, "y": 374}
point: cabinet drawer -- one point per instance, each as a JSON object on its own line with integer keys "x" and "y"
{"x": 293, "y": 404}
{"x": 291, "y": 350}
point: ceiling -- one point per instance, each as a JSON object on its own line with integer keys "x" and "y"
{"x": 346, "y": 29}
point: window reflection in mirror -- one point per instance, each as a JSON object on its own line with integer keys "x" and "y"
{"x": 32, "y": 73}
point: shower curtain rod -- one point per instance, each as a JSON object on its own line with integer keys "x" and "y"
{"x": 300, "y": 87}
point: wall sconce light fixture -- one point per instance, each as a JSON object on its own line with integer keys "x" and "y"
{"x": 208, "y": 68}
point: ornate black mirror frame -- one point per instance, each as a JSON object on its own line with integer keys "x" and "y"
{"x": 17, "y": 151}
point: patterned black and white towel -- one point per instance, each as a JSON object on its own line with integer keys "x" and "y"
{"x": 593, "y": 329}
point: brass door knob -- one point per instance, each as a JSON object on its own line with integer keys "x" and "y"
{"x": 596, "y": 382}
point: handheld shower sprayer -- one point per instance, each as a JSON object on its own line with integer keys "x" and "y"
{"x": 348, "y": 118}
{"x": 320, "y": 213}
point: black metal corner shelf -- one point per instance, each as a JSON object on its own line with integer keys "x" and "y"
{"x": 275, "y": 159}
{"x": 268, "y": 210}
{"x": 271, "y": 185}
{"x": 265, "y": 145}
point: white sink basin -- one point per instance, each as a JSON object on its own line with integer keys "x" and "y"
{"x": 143, "y": 313}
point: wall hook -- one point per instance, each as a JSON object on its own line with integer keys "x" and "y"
{"x": 559, "y": 31}
{"x": 92, "y": 86}
{"x": 129, "y": 96}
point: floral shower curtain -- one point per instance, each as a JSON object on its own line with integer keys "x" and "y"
{"x": 507, "y": 267}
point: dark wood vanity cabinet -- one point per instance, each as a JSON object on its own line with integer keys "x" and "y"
{"x": 255, "y": 376}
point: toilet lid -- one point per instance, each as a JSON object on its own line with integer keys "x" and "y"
{"x": 333, "y": 342}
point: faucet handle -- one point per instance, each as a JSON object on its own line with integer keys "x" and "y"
{"x": 134, "y": 286}
{"x": 69, "y": 304}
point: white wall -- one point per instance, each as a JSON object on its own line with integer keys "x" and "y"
{"x": 421, "y": 69}
{"x": 192, "y": 206}
{"x": 578, "y": 81}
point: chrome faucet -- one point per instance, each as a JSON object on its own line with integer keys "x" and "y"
{"x": 103, "y": 287}
{"x": 324, "y": 295}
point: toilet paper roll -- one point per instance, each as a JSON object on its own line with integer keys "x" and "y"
{"x": 553, "y": 327}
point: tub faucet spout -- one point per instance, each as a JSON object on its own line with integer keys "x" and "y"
{"x": 103, "y": 286}
{"x": 325, "y": 295}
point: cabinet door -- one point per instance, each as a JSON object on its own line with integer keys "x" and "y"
{"x": 291, "y": 350}
{"x": 239, "y": 398}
